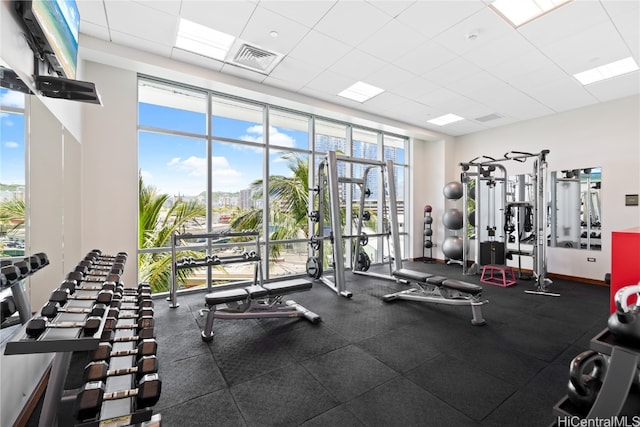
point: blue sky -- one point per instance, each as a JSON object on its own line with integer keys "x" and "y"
{"x": 12, "y": 139}
{"x": 178, "y": 165}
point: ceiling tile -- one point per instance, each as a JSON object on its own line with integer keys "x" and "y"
{"x": 320, "y": 50}
{"x": 141, "y": 44}
{"x": 263, "y": 21}
{"x": 389, "y": 77}
{"x": 243, "y": 72}
{"x": 392, "y": 41}
{"x": 564, "y": 21}
{"x": 330, "y": 82}
{"x": 286, "y": 84}
{"x": 621, "y": 86}
{"x": 527, "y": 70}
{"x": 621, "y": 7}
{"x": 502, "y": 49}
{"x": 126, "y": 16}
{"x": 199, "y": 60}
{"x": 484, "y": 24}
{"x": 451, "y": 71}
{"x": 352, "y": 21}
{"x": 357, "y": 64}
{"x": 384, "y": 101}
{"x": 93, "y": 12}
{"x": 307, "y": 13}
{"x": 392, "y": 8}
{"x": 415, "y": 88}
{"x": 172, "y": 7}
{"x": 227, "y": 16}
{"x": 628, "y": 24}
{"x": 93, "y": 30}
{"x": 562, "y": 94}
{"x": 431, "y": 18}
{"x": 598, "y": 45}
{"x": 425, "y": 57}
{"x": 297, "y": 72}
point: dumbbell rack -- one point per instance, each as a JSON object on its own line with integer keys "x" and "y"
{"x": 616, "y": 396}
{"x": 210, "y": 261}
{"x": 13, "y": 275}
{"x": 64, "y": 342}
{"x": 427, "y": 234}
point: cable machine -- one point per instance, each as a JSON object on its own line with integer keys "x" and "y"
{"x": 497, "y": 216}
{"x": 328, "y": 190}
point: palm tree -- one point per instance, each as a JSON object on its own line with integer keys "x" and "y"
{"x": 12, "y": 212}
{"x": 156, "y": 225}
{"x": 289, "y": 197}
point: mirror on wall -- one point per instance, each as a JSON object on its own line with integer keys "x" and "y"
{"x": 575, "y": 209}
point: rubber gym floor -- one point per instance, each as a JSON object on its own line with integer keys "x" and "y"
{"x": 370, "y": 363}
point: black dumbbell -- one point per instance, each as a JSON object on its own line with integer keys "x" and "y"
{"x": 81, "y": 277}
{"x": 144, "y": 303}
{"x": 90, "y": 398}
{"x": 51, "y": 309}
{"x": 124, "y": 313}
{"x": 146, "y": 347}
{"x": 109, "y": 335}
{"x": 99, "y": 370}
{"x": 142, "y": 299}
{"x": 143, "y": 322}
{"x": 11, "y": 273}
{"x": 62, "y": 295}
{"x": 37, "y": 325}
{"x": 24, "y": 266}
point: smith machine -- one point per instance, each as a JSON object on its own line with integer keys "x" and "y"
{"x": 328, "y": 191}
{"x": 499, "y": 213}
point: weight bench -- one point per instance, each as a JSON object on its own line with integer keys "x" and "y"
{"x": 440, "y": 290}
{"x": 255, "y": 301}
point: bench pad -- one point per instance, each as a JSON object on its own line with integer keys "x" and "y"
{"x": 288, "y": 286}
{"x": 436, "y": 280}
{"x": 229, "y": 295}
{"x": 256, "y": 291}
{"x": 416, "y": 276}
{"x": 468, "y": 288}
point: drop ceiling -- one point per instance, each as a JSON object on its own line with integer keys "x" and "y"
{"x": 430, "y": 57}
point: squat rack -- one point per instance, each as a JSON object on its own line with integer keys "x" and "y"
{"x": 328, "y": 177}
{"x": 539, "y": 254}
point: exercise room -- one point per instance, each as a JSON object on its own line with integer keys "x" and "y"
{"x": 319, "y": 213}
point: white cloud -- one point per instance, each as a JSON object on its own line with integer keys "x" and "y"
{"x": 256, "y": 134}
{"x": 224, "y": 176}
{"x": 146, "y": 175}
{"x": 12, "y": 99}
{"x": 11, "y": 144}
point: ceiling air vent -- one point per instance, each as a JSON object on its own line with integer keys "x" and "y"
{"x": 256, "y": 59}
{"x": 488, "y": 117}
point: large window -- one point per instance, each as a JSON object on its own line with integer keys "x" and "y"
{"x": 12, "y": 173}
{"x": 248, "y": 167}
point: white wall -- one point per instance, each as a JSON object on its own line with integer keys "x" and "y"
{"x": 606, "y": 135}
{"x": 110, "y": 166}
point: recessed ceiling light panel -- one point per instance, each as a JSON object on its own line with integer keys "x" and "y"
{"x": 607, "y": 71}
{"x": 360, "y": 92}
{"x": 520, "y": 12}
{"x": 203, "y": 40}
{"x": 445, "y": 120}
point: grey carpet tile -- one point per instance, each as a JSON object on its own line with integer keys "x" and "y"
{"x": 285, "y": 397}
{"x": 348, "y": 372}
{"x": 175, "y": 347}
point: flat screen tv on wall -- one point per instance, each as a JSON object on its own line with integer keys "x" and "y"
{"x": 54, "y": 27}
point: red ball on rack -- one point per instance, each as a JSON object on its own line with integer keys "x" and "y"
{"x": 427, "y": 208}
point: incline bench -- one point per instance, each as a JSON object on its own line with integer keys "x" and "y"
{"x": 255, "y": 301}
{"x": 440, "y": 290}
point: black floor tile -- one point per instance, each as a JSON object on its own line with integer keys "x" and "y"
{"x": 304, "y": 343}
{"x": 348, "y": 372}
{"x": 212, "y": 409}
{"x": 459, "y": 384}
{"x": 285, "y": 397}
{"x": 401, "y": 403}
{"x": 188, "y": 378}
{"x": 338, "y": 416}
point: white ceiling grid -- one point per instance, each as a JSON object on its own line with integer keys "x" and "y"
{"x": 431, "y": 57}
